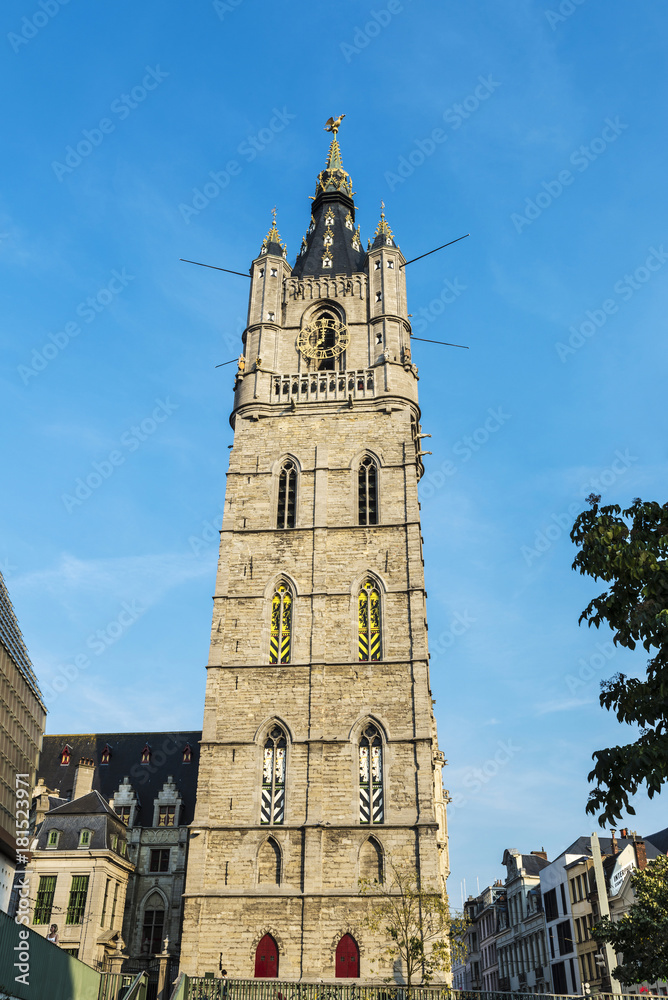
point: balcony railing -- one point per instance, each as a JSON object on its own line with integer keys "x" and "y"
{"x": 306, "y": 386}
{"x": 201, "y": 988}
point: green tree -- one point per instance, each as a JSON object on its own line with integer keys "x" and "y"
{"x": 641, "y": 936}
{"x": 628, "y": 549}
{"x": 422, "y": 934}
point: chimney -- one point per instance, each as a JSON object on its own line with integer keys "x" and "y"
{"x": 624, "y": 832}
{"x": 641, "y": 853}
{"x": 83, "y": 777}
{"x": 615, "y": 846}
{"x": 540, "y": 854}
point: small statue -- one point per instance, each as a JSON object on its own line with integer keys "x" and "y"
{"x": 242, "y": 363}
{"x": 386, "y": 354}
{"x": 407, "y": 355}
{"x": 258, "y": 363}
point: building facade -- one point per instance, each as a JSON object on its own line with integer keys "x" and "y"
{"x": 319, "y": 761}
{"x": 22, "y": 718}
{"x": 148, "y": 781}
{"x": 521, "y": 947}
{"x": 487, "y": 918}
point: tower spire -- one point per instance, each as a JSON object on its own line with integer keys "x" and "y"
{"x": 383, "y": 235}
{"x": 332, "y": 243}
{"x": 272, "y": 243}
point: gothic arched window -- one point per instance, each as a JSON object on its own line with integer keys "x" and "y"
{"x": 281, "y": 625}
{"x": 367, "y": 492}
{"x": 371, "y": 775}
{"x": 273, "y": 777}
{"x": 371, "y": 860}
{"x": 369, "y": 622}
{"x": 153, "y": 925}
{"x": 287, "y": 495}
{"x": 269, "y": 863}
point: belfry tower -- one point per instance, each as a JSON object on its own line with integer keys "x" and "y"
{"x": 319, "y": 758}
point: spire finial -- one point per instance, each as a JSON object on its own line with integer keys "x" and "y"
{"x": 382, "y": 229}
{"x": 273, "y": 236}
{"x": 334, "y": 124}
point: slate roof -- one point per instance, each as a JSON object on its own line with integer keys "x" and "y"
{"x": 532, "y": 864}
{"x": 582, "y": 846}
{"x": 126, "y": 750}
{"x": 658, "y": 840}
{"x": 333, "y": 198}
{"x": 12, "y": 640}
{"x": 88, "y": 812}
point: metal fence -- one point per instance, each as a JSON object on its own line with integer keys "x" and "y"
{"x": 207, "y": 988}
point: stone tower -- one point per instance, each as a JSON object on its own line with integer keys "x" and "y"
{"x": 319, "y": 757}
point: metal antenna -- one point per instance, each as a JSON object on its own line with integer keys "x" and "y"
{"x": 226, "y": 269}
{"x": 443, "y": 342}
{"x": 435, "y": 249}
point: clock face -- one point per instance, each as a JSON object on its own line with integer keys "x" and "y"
{"x": 324, "y": 338}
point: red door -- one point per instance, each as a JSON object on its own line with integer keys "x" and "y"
{"x": 266, "y": 958}
{"x": 347, "y": 958}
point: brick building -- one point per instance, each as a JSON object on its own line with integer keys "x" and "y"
{"x": 319, "y": 757}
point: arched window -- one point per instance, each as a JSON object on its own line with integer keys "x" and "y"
{"x": 65, "y": 754}
{"x": 287, "y": 496}
{"x": 367, "y": 492}
{"x": 266, "y": 958}
{"x": 154, "y": 925}
{"x": 347, "y": 958}
{"x": 369, "y": 621}
{"x": 281, "y": 625}
{"x": 371, "y": 775}
{"x": 273, "y": 777}
{"x": 329, "y": 339}
{"x": 371, "y": 860}
{"x": 269, "y": 863}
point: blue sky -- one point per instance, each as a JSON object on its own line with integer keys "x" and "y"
{"x": 535, "y": 127}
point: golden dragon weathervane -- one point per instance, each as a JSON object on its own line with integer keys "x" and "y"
{"x": 334, "y": 124}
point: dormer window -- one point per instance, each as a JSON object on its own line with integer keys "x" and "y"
{"x": 54, "y": 837}
{"x": 377, "y": 265}
{"x": 273, "y": 272}
{"x": 84, "y": 838}
{"x": 356, "y": 244}
{"x": 166, "y": 815}
{"x": 388, "y": 241}
{"x": 329, "y": 219}
{"x": 271, "y": 317}
{"x": 187, "y": 754}
{"x": 146, "y": 755}
{"x": 349, "y": 221}
{"x": 123, "y": 813}
{"x": 329, "y": 238}
{"x": 65, "y": 755}
{"x": 263, "y": 250}
{"x": 106, "y": 754}
{"x": 327, "y": 259}
{"x": 390, "y": 264}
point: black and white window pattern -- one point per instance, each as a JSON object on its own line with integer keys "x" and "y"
{"x": 371, "y": 776}
{"x": 273, "y": 777}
